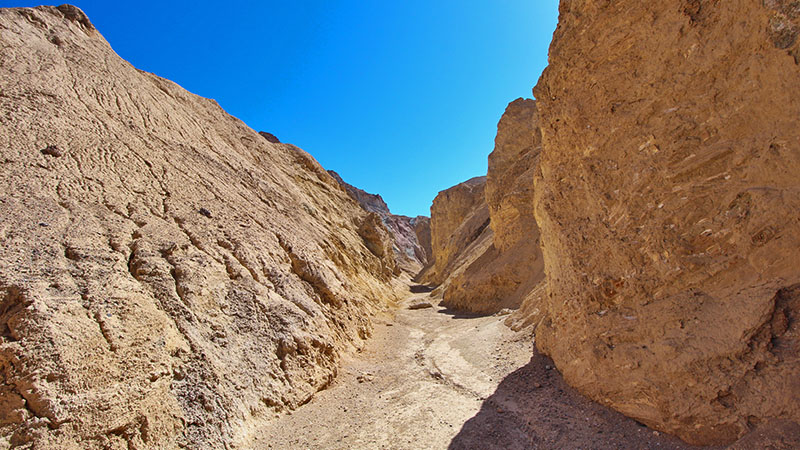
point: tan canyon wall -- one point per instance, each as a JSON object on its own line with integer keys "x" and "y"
{"x": 669, "y": 207}
{"x": 486, "y": 241}
{"x": 168, "y": 277}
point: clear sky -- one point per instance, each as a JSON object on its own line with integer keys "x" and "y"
{"x": 402, "y": 98}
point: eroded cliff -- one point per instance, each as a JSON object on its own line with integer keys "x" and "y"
{"x": 491, "y": 260}
{"x": 410, "y": 235}
{"x": 668, "y": 204}
{"x": 168, "y": 277}
{"x": 459, "y": 223}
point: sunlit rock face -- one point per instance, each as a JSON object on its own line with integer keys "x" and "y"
{"x": 668, "y": 201}
{"x": 410, "y": 236}
{"x": 459, "y": 221}
{"x": 501, "y": 264}
{"x": 168, "y": 277}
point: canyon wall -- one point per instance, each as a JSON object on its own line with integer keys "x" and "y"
{"x": 168, "y": 277}
{"x": 410, "y": 235}
{"x": 459, "y": 221}
{"x": 486, "y": 241}
{"x": 668, "y": 202}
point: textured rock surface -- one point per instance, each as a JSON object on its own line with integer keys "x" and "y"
{"x": 668, "y": 203}
{"x": 411, "y": 236}
{"x": 168, "y": 277}
{"x": 510, "y": 265}
{"x": 486, "y": 238}
{"x": 459, "y": 224}
{"x": 270, "y": 137}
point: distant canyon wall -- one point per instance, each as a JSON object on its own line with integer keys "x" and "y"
{"x": 485, "y": 237}
{"x": 168, "y": 277}
{"x": 411, "y": 244}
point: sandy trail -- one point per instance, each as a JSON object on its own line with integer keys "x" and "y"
{"x": 432, "y": 379}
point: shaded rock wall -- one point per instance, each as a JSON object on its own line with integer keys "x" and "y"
{"x": 411, "y": 236}
{"x": 668, "y": 204}
{"x": 168, "y": 277}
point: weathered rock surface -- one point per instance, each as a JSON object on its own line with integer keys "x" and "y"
{"x": 511, "y": 265}
{"x": 668, "y": 204}
{"x": 490, "y": 258}
{"x": 168, "y": 277}
{"x": 411, "y": 236}
{"x": 459, "y": 229}
{"x": 270, "y": 137}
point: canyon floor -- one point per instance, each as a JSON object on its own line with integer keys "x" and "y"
{"x": 434, "y": 379}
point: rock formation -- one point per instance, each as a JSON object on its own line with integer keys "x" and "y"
{"x": 459, "y": 222}
{"x": 486, "y": 239}
{"x": 168, "y": 277}
{"x": 269, "y": 137}
{"x": 668, "y": 202}
{"x": 411, "y": 236}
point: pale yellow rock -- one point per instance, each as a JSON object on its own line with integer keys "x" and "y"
{"x": 168, "y": 277}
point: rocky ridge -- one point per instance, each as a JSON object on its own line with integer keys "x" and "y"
{"x": 168, "y": 277}
{"x": 411, "y": 235}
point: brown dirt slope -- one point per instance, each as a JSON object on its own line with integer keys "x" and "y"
{"x": 168, "y": 277}
{"x": 668, "y": 203}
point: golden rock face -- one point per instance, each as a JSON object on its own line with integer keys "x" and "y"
{"x": 168, "y": 277}
{"x": 668, "y": 202}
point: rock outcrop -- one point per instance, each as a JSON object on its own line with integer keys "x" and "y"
{"x": 168, "y": 277}
{"x": 510, "y": 265}
{"x": 411, "y": 236}
{"x": 486, "y": 241}
{"x": 269, "y": 137}
{"x": 668, "y": 202}
{"x": 459, "y": 229}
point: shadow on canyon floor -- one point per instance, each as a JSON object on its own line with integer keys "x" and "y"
{"x": 534, "y": 408}
{"x": 420, "y": 289}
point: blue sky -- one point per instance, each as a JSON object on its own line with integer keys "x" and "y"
{"x": 402, "y": 98}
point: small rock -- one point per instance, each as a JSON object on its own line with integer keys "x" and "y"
{"x": 365, "y": 377}
{"x": 52, "y": 150}
{"x": 269, "y": 137}
{"x": 44, "y": 224}
{"x": 420, "y": 305}
{"x": 205, "y": 212}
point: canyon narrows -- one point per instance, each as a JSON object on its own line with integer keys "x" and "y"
{"x": 170, "y": 278}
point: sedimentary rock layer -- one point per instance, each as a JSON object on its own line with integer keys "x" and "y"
{"x": 168, "y": 277}
{"x": 459, "y": 223}
{"x": 668, "y": 204}
{"x": 511, "y": 265}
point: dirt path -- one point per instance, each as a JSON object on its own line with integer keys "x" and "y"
{"x": 435, "y": 380}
